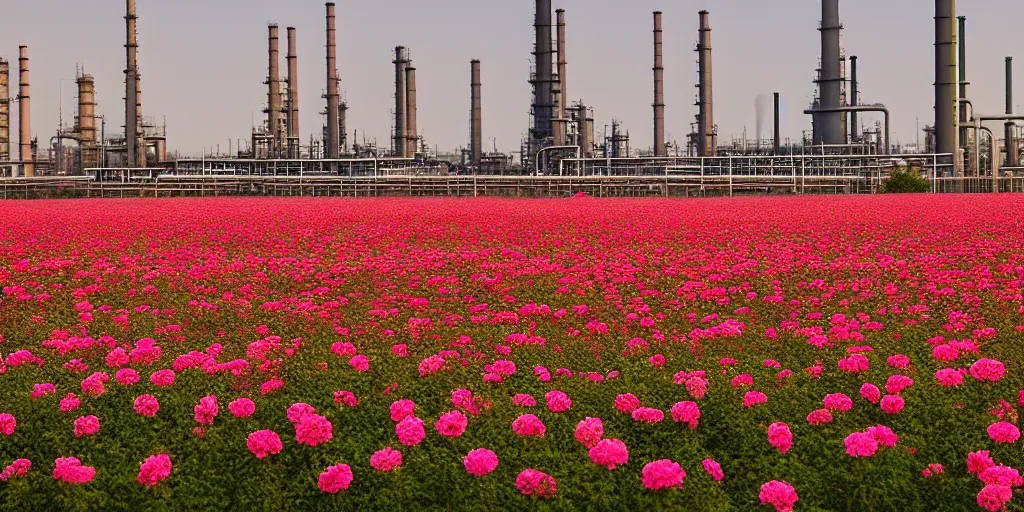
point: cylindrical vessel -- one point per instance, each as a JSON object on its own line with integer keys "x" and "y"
{"x": 333, "y": 98}
{"x": 659, "y": 90}
{"x": 476, "y": 114}
{"x": 411, "y": 132}
{"x": 25, "y": 114}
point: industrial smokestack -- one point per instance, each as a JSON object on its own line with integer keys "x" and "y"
{"x": 410, "y": 111}
{"x": 830, "y": 82}
{"x": 400, "y": 62}
{"x": 131, "y": 83}
{"x": 85, "y": 121}
{"x": 293, "y": 95}
{"x": 274, "y": 93}
{"x": 1011, "y": 142}
{"x": 777, "y": 132}
{"x": 476, "y": 115}
{"x": 659, "y": 90}
{"x": 543, "y": 90}
{"x": 563, "y": 95}
{"x": 962, "y": 49}
{"x": 333, "y": 98}
{"x": 945, "y": 80}
{"x": 5, "y": 110}
{"x": 25, "y": 114}
{"x": 707, "y": 140}
{"x": 854, "y": 128}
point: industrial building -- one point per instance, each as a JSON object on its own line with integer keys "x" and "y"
{"x": 560, "y": 139}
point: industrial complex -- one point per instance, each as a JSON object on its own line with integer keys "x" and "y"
{"x": 838, "y": 155}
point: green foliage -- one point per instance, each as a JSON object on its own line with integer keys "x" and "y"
{"x": 905, "y": 181}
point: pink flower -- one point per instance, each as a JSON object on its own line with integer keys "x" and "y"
{"x": 713, "y": 469}
{"x": 524, "y": 400}
{"x": 270, "y": 386}
{"x": 147, "y": 405}
{"x": 558, "y": 401}
{"x": 335, "y": 479}
{"x": 856, "y": 363}
{"x": 40, "y": 390}
{"x": 342, "y": 349}
{"x": 661, "y": 474}
{"x": 627, "y": 403}
{"x": 410, "y": 431}
{"x": 162, "y": 377}
{"x": 898, "y": 361}
{"x": 697, "y": 387}
{"x": 400, "y": 350}
{"x": 945, "y": 353}
{"x": 386, "y": 459}
{"x": 994, "y": 497}
{"x": 988, "y": 369}
{"x": 480, "y": 462}
{"x": 589, "y": 432}
{"x": 451, "y": 424}
{"x": 299, "y": 410}
{"x": 898, "y": 383}
{"x": 742, "y": 380}
{"x": 609, "y": 452}
{"x": 402, "y": 409}
{"x": 648, "y": 415}
{"x": 155, "y": 469}
{"x": 860, "y": 444}
{"x": 779, "y": 494}
{"x": 71, "y": 470}
{"x": 264, "y": 443}
{"x": 313, "y": 430}
{"x": 126, "y": 376}
{"x": 870, "y": 392}
{"x": 346, "y": 397}
{"x": 884, "y": 435}
{"x": 1004, "y": 432}
{"x": 838, "y": 402}
{"x": 780, "y": 436}
{"x": 87, "y": 426}
{"x": 657, "y": 360}
{"x": 242, "y": 408}
{"x": 949, "y": 377}
{"x": 117, "y": 358}
{"x": 360, "y": 363}
{"x": 19, "y": 467}
{"x": 979, "y": 461}
{"x": 528, "y": 425}
{"x": 932, "y": 470}
{"x": 752, "y": 398}
{"x": 70, "y": 403}
{"x": 206, "y": 410}
{"x": 1001, "y": 475}
{"x": 819, "y": 417}
{"x": 892, "y": 404}
{"x": 534, "y": 483}
{"x": 686, "y": 412}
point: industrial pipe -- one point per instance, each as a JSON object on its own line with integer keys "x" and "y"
{"x": 131, "y": 84}
{"x": 293, "y": 93}
{"x": 563, "y": 94}
{"x": 707, "y": 143}
{"x": 859, "y": 108}
{"x": 552, "y": 148}
{"x": 411, "y": 133}
{"x": 274, "y": 93}
{"x": 659, "y": 90}
{"x": 1011, "y": 142}
{"x": 25, "y": 115}
{"x": 476, "y": 115}
{"x": 333, "y": 99}
{"x": 854, "y": 128}
{"x": 962, "y": 70}
{"x": 400, "y": 103}
{"x": 945, "y": 81}
{"x": 777, "y": 133}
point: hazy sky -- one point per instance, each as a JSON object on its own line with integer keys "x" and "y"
{"x": 203, "y": 62}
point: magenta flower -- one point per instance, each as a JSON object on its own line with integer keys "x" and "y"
{"x": 524, "y": 400}
{"x": 360, "y": 363}
{"x": 534, "y": 483}
{"x": 410, "y": 431}
{"x": 994, "y": 497}
{"x": 206, "y": 410}
{"x": 70, "y": 403}
{"x": 386, "y": 459}
{"x": 480, "y": 462}
{"x": 346, "y": 397}
{"x": 779, "y": 494}
{"x": 242, "y": 408}
{"x": 860, "y": 444}
{"x": 838, "y": 402}
{"x": 892, "y": 404}
{"x": 949, "y": 377}
{"x": 988, "y": 370}
{"x": 609, "y": 452}
{"x": 558, "y": 401}
{"x": 298, "y": 411}
{"x": 945, "y": 353}
{"x": 264, "y": 443}
{"x": 86, "y": 426}
{"x": 870, "y": 392}
{"x": 780, "y": 436}
{"x": 697, "y": 387}
{"x": 648, "y": 415}
{"x": 752, "y": 398}
{"x": 742, "y": 380}
{"x": 41, "y": 390}
{"x": 1004, "y": 432}
{"x": 819, "y": 417}
{"x": 19, "y": 467}
{"x": 313, "y": 430}
{"x": 589, "y": 432}
{"x": 657, "y": 360}
{"x": 155, "y": 469}
{"x": 162, "y": 378}
{"x": 686, "y": 412}
{"x": 528, "y": 425}
{"x": 661, "y": 474}
{"x": 627, "y": 403}
{"x": 400, "y": 350}
{"x": 451, "y": 424}
{"x": 126, "y": 376}
{"x": 1001, "y": 475}
{"x": 147, "y": 405}
{"x": 71, "y": 470}
{"x": 402, "y": 409}
{"x": 713, "y": 469}
{"x": 335, "y": 479}
{"x": 979, "y": 461}
{"x": 898, "y": 361}
{"x": 898, "y": 383}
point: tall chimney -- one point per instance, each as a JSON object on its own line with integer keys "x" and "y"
{"x": 476, "y": 115}
{"x": 962, "y": 49}
{"x": 274, "y": 93}
{"x": 342, "y": 124}
{"x": 411, "y": 132}
{"x": 659, "y": 90}
{"x": 830, "y": 82}
{"x": 293, "y": 95}
{"x": 945, "y": 80}
{"x": 563, "y": 95}
{"x": 131, "y": 83}
{"x": 333, "y": 99}
{"x": 5, "y": 110}
{"x": 401, "y": 126}
{"x": 777, "y": 133}
{"x": 85, "y": 121}
{"x": 543, "y": 91}
{"x": 1011, "y": 142}
{"x": 854, "y": 128}
{"x": 707, "y": 140}
{"x": 25, "y": 114}
{"x": 141, "y": 138}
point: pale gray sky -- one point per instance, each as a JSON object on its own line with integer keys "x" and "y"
{"x": 203, "y": 61}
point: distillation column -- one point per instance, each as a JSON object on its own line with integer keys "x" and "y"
{"x": 293, "y": 95}
{"x": 659, "y": 90}
{"x": 476, "y": 115}
{"x": 274, "y": 93}
{"x": 333, "y": 99}
{"x": 1011, "y": 141}
{"x": 707, "y": 139}
{"x": 25, "y": 115}
{"x": 400, "y": 62}
{"x": 411, "y": 131}
{"x": 85, "y": 121}
{"x": 831, "y": 81}
{"x": 945, "y": 83}
{"x": 5, "y": 110}
{"x": 559, "y": 123}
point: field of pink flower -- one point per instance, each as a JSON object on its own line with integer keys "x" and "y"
{"x": 840, "y": 353}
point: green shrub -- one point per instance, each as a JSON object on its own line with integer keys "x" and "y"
{"x": 905, "y": 182}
